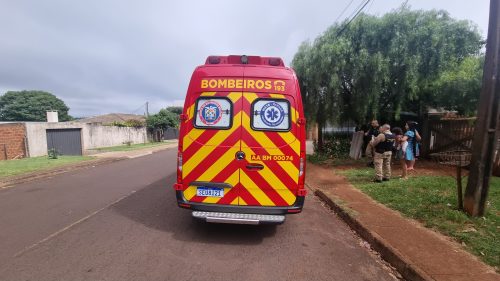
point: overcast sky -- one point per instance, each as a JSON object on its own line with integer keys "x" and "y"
{"x": 112, "y": 56}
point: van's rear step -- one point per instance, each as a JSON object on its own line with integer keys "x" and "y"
{"x": 237, "y": 218}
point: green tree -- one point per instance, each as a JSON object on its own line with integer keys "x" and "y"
{"x": 163, "y": 119}
{"x": 458, "y": 88}
{"x": 31, "y": 106}
{"x": 378, "y": 67}
{"x": 175, "y": 109}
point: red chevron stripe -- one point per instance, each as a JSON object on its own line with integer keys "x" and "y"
{"x": 223, "y": 175}
{"x": 265, "y": 186}
{"x": 247, "y": 197}
{"x": 280, "y": 143}
{"x": 211, "y": 158}
{"x": 273, "y": 165}
{"x": 229, "y": 196}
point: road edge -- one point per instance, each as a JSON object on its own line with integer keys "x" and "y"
{"x": 390, "y": 254}
{"x": 32, "y": 176}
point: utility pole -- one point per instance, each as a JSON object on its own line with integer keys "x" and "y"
{"x": 147, "y": 109}
{"x": 485, "y": 132}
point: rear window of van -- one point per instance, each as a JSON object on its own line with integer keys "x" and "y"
{"x": 213, "y": 113}
{"x": 270, "y": 115}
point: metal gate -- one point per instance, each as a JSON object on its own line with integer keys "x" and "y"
{"x": 65, "y": 141}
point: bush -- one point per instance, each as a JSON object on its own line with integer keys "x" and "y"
{"x": 128, "y": 123}
{"x": 134, "y": 123}
{"x": 53, "y": 153}
{"x": 335, "y": 145}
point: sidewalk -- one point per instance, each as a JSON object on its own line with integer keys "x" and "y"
{"x": 416, "y": 252}
{"x": 134, "y": 153}
{"x": 100, "y": 158}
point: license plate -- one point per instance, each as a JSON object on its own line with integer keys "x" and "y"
{"x": 210, "y": 192}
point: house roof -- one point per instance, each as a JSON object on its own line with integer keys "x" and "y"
{"x": 112, "y": 117}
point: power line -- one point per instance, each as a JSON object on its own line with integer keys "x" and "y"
{"x": 370, "y": 7}
{"x": 354, "y": 17}
{"x": 357, "y": 9}
{"x": 345, "y": 9}
{"x": 142, "y": 106}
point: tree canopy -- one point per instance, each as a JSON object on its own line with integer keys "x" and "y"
{"x": 31, "y": 106}
{"x": 175, "y": 109}
{"x": 379, "y": 67}
{"x": 163, "y": 119}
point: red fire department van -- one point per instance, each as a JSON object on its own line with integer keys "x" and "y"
{"x": 241, "y": 156}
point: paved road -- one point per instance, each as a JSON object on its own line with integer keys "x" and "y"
{"x": 119, "y": 221}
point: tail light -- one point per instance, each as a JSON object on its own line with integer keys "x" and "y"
{"x": 302, "y": 174}
{"x": 179, "y": 167}
{"x": 301, "y": 167}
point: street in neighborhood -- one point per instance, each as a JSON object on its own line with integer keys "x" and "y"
{"x": 268, "y": 140}
{"x": 120, "y": 221}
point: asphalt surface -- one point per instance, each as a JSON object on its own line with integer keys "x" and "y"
{"x": 119, "y": 221}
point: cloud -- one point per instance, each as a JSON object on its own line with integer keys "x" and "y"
{"x": 113, "y": 56}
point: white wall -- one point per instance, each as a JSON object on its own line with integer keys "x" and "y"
{"x": 93, "y": 135}
{"x": 101, "y": 136}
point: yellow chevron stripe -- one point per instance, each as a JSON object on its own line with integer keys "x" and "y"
{"x": 242, "y": 202}
{"x": 209, "y": 146}
{"x": 219, "y": 165}
{"x": 190, "y": 112}
{"x": 256, "y": 192}
{"x": 191, "y": 137}
{"x": 234, "y": 96}
{"x": 270, "y": 177}
{"x": 294, "y": 114}
{"x": 208, "y": 94}
{"x": 235, "y": 201}
{"x": 250, "y": 97}
{"x": 276, "y": 96}
{"x": 190, "y": 192}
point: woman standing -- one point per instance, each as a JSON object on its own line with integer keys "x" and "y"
{"x": 411, "y": 136}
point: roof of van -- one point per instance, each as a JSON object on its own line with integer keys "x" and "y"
{"x": 243, "y": 59}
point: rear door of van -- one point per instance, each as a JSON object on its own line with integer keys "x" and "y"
{"x": 269, "y": 139}
{"x": 212, "y": 134}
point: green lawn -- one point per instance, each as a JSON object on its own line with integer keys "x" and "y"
{"x": 133, "y": 146}
{"x": 432, "y": 201}
{"x": 26, "y": 165}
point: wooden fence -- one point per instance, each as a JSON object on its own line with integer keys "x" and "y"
{"x": 448, "y": 134}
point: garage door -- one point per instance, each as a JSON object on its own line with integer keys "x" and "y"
{"x": 65, "y": 141}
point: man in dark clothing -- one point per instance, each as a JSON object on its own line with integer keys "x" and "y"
{"x": 383, "y": 145}
{"x": 371, "y": 133}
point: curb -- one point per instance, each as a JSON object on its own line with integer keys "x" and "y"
{"x": 390, "y": 254}
{"x": 99, "y": 160}
{"x": 23, "y": 178}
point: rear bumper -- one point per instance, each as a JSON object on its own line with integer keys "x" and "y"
{"x": 294, "y": 209}
{"x": 236, "y": 218}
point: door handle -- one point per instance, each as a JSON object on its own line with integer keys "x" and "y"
{"x": 254, "y": 166}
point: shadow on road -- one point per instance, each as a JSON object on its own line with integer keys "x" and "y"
{"x": 155, "y": 207}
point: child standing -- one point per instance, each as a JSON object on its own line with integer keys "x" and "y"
{"x": 401, "y": 144}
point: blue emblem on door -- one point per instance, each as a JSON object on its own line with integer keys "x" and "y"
{"x": 210, "y": 113}
{"x": 272, "y": 114}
